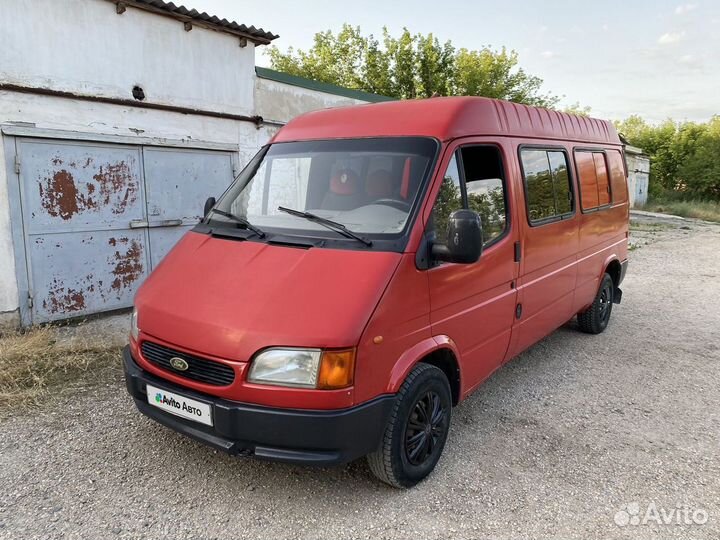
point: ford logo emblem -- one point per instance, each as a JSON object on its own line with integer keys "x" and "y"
{"x": 178, "y": 363}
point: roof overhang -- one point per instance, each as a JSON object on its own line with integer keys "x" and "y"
{"x": 192, "y": 17}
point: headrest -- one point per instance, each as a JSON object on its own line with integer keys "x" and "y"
{"x": 344, "y": 182}
{"x": 379, "y": 184}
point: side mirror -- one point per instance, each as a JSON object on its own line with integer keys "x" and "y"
{"x": 464, "y": 239}
{"x": 208, "y": 205}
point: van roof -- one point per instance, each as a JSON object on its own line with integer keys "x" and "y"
{"x": 447, "y": 118}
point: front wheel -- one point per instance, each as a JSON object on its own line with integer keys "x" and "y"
{"x": 417, "y": 429}
{"x": 595, "y": 318}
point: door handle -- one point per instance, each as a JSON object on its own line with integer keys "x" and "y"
{"x": 141, "y": 223}
{"x": 166, "y": 223}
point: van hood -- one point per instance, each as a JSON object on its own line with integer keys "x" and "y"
{"x": 229, "y": 298}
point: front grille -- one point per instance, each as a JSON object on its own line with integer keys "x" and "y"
{"x": 199, "y": 369}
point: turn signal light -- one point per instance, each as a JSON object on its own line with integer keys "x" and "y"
{"x": 337, "y": 369}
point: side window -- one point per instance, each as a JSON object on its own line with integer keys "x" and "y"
{"x": 561, "y": 182}
{"x": 601, "y": 172}
{"x": 484, "y": 176}
{"x": 547, "y": 184}
{"x": 593, "y": 179}
{"x": 618, "y": 182}
{"x": 587, "y": 179}
{"x": 477, "y": 173}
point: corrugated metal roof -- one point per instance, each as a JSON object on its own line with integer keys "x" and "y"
{"x": 255, "y": 34}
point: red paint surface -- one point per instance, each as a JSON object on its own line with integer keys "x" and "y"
{"x": 446, "y": 118}
{"x": 226, "y": 300}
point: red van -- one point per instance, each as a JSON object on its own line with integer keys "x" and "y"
{"x": 369, "y": 268}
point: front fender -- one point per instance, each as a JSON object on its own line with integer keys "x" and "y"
{"x": 415, "y": 354}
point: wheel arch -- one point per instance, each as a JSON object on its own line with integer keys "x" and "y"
{"x": 614, "y": 268}
{"x": 439, "y": 351}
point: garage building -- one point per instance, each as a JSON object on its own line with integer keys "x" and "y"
{"x": 118, "y": 119}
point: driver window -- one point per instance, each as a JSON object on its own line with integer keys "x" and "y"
{"x": 484, "y": 186}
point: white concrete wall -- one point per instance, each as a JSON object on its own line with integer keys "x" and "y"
{"x": 280, "y": 102}
{"x": 84, "y": 46}
{"x": 638, "y": 178}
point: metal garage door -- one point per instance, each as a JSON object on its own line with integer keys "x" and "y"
{"x": 98, "y": 217}
{"x": 177, "y": 184}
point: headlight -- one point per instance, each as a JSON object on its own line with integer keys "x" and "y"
{"x": 286, "y": 367}
{"x": 134, "y": 330}
{"x": 307, "y": 368}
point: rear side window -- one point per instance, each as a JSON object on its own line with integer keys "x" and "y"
{"x": 618, "y": 181}
{"x": 587, "y": 179}
{"x": 593, "y": 179}
{"x": 547, "y": 184}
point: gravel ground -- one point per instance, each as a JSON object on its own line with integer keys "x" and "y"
{"x": 577, "y": 433}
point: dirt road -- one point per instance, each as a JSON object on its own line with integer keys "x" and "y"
{"x": 580, "y": 437}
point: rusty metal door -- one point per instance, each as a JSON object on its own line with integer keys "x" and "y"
{"x": 78, "y": 201}
{"x": 177, "y": 183}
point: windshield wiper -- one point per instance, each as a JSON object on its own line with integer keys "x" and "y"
{"x": 330, "y": 224}
{"x": 240, "y": 220}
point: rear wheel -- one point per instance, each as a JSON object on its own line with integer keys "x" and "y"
{"x": 417, "y": 429}
{"x": 595, "y": 318}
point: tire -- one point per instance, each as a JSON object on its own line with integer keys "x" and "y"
{"x": 412, "y": 443}
{"x": 595, "y": 319}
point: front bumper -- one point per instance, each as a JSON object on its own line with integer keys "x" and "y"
{"x": 313, "y": 437}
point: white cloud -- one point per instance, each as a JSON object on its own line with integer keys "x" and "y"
{"x": 682, "y": 9}
{"x": 671, "y": 37}
{"x": 605, "y": 27}
{"x": 547, "y": 54}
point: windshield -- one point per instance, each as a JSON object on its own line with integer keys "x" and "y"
{"x": 367, "y": 185}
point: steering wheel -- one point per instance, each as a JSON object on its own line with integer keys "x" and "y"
{"x": 394, "y": 203}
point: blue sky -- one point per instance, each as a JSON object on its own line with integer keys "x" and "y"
{"x": 655, "y": 58}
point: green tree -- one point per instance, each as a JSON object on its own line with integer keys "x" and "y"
{"x": 684, "y": 157}
{"x": 411, "y": 66}
{"x": 377, "y": 77}
{"x": 336, "y": 59}
{"x": 496, "y": 74}
{"x": 698, "y": 172}
{"x": 435, "y": 66}
{"x": 578, "y": 109}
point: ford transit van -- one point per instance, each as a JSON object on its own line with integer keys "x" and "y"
{"x": 369, "y": 268}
